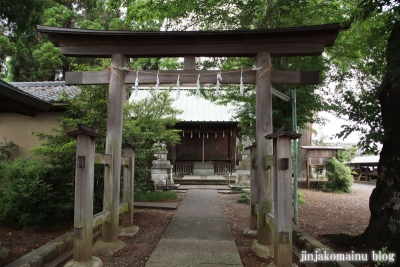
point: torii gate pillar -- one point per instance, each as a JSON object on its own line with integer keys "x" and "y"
{"x": 113, "y": 146}
{"x": 265, "y": 196}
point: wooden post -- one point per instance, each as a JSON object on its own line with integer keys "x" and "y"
{"x": 265, "y": 199}
{"x": 128, "y": 183}
{"x": 232, "y": 146}
{"x": 84, "y": 184}
{"x": 253, "y": 186}
{"x": 113, "y": 147}
{"x": 308, "y": 169}
{"x": 189, "y": 63}
{"x": 203, "y": 149}
{"x": 283, "y": 197}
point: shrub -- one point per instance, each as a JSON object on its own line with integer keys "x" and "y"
{"x": 4, "y": 146}
{"x": 244, "y": 198}
{"x": 32, "y": 195}
{"x": 339, "y": 176}
{"x": 300, "y": 197}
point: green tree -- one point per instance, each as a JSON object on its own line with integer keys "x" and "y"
{"x": 32, "y": 57}
{"x": 383, "y": 228}
{"x": 148, "y": 123}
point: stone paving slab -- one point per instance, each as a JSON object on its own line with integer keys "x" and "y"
{"x": 156, "y": 205}
{"x": 198, "y": 235}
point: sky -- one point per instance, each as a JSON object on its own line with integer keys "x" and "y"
{"x": 332, "y": 127}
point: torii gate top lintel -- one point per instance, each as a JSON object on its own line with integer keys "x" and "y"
{"x": 295, "y": 41}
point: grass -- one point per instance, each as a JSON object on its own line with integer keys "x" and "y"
{"x": 155, "y": 196}
{"x": 337, "y": 191}
{"x": 300, "y": 197}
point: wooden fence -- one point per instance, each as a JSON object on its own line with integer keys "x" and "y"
{"x": 184, "y": 168}
{"x": 225, "y": 168}
{"x": 84, "y": 220}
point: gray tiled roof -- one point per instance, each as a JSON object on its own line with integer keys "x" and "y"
{"x": 48, "y": 91}
{"x": 8, "y": 91}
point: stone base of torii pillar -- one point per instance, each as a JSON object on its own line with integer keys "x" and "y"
{"x": 94, "y": 262}
{"x": 262, "y": 251}
{"x": 101, "y": 248}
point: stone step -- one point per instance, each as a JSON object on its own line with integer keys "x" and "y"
{"x": 204, "y": 180}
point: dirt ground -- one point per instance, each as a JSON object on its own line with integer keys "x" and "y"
{"x": 324, "y": 213}
{"x": 328, "y": 213}
{"x": 238, "y": 215}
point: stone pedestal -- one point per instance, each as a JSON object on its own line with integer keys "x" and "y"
{"x": 161, "y": 171}
{"x": 243, "y": 170}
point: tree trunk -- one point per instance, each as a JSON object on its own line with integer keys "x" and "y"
{"x": 384, "y": 225}
{"x": 305, "y": 140}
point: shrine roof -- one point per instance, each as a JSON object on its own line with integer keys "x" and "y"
{"x": 323, "y": 147}
{"x": 194, "y": 110}
{"x": 365, "y": 159}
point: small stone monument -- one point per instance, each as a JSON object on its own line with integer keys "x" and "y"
{"x": 243, "y": 170}
{"x": 161, "y": 172}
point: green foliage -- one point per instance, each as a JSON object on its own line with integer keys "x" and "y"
{"x": 383, "y": 263}
{"x": 57, "y": 16}
{"x": 32, "y": 194}
{"x": 347, "y": 155}
{"x": 7, "y": 48}
{"x": 339, "y": 176}
{"x": 48, "y": 58}
{"x": 148, "y": 122}
{"x": 142, "y": 185}
{"x": 141, "y": 196}
{"x": 89, "y": 108}
{"x": 300, "y": 197}
{"x": 244, "y": 198}
{"x": 358, "y": 72}
{"x": 240, "y": 147}
{"x": 21, "y": 15}
{"x": 4, "y": 146}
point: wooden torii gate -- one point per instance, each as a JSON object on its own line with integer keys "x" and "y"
{"x": 261, "y": 44}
